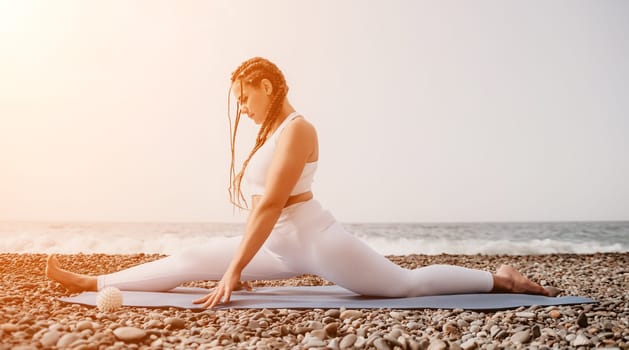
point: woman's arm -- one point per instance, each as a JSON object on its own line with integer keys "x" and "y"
{"x": 294, "y": 146}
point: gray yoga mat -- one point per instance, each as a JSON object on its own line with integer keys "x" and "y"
{"x": 326, "y": 297}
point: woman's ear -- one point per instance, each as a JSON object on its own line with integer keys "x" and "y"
{"x": 267, "y": 86}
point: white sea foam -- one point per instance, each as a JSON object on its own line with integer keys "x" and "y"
{"x": 405, "y": 246}
{"x": 168, "y": 243}
{"x": 70, "y": 243}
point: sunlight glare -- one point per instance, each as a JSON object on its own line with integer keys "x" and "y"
{"x": 15, "y": 16}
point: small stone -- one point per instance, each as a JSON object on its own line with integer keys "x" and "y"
{"x": 351, "y": 314}
{"x": 153, "y": 324}
{"x": 581, "y": 340}
{"x": 80, "y": 344}
{"x": 50, "y": 339}
{"x": 437, "y": 344}
{"x": 348, "y": 341}
{"x": 605, "y": 335}
{"x": 155, "y": 315}
{"x": 174, "y": 322}
{"x": 361, "y": 332}
{"x": 333, "y": 313}
{"x": 403, "y": 341}
{"x": 129, "y": 334}
{"x": 253, "y": 324}
{"x": 301, "y": 330}
{"x": 454, "y": 346}
{"x": 608, "y": 326}
{"x": 315, "y": 325}
{"x": 56, "y": 327}
{"x": 332, "y": 329}
{"x": 396, "y": 315}
{"x": 451, "y": 331}
{"x": 381, "y": 344}
{"x": 393, "y": 340}
{"x": 423, "y": 343}
{"x": 582, "y": 320}
{"x": 521, "y": 337}
{"x": 9, "y": 327}
{"x": 413, "y": 345}
{"x": 66, "y": 340}
{"x": 536, "y": 332}
{"x": 469, "y": 345}
{"x": 525, "y": 314}
{"x": 312, "y": 342}
{"x": 554, "y": 314}
{"x": 413, "y": 325}
{"x": 395, "y": 333}
{"x": 494, "y": 330}
{"x": 360, "y": 342}
{"x": 319, "y": 334}
{"x": 595, "y": 340}
{"x": 83, "y": 325}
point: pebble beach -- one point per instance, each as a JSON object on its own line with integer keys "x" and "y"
{"x": 32, "y": 318}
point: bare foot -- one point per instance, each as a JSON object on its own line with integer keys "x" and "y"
{"x": 508, "y": 279}
{"x": 74, "y": 282}
{"x": 552, "y": 291}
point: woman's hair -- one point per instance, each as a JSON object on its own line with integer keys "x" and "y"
{"x": 252, "y": 72}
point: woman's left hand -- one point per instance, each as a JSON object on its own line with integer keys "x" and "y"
{"x": 229, "y": 283}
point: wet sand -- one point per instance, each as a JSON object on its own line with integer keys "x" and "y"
{"x": 32, "y": 318}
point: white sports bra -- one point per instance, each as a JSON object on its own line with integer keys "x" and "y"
{"x": 258, "y": 167}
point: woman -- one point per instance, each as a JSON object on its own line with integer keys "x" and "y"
{"x": 288, "y": 233}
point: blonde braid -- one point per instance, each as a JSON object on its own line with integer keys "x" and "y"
{"x": 252, "y": 72}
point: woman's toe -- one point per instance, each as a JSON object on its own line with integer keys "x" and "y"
{"x": 552, "y": 291}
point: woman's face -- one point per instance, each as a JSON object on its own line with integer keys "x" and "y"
{"x": 254, "y": 100}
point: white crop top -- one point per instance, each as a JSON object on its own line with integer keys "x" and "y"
{"x": 258, "y": 167}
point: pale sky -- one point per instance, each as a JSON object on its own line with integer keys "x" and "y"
{"x": 441, "y": 111}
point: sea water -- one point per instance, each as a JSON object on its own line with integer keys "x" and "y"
{"x": 386, "y": 238}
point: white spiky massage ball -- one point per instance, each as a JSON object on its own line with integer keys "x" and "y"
{"x": 109, "y": 299}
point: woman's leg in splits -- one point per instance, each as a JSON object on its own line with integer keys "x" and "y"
{"x": 347, "y": 261}
{"x": 207, "y": 262}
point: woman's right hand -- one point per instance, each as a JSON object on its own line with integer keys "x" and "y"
{"x": 216, "y": 295}
{"x": 244, "y": 285}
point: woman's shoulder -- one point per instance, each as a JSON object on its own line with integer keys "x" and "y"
{"x": 299, "y": 136}
{"x": 300, "y": 127}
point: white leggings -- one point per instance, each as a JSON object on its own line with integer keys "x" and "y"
{"x": 306, "y": 240}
